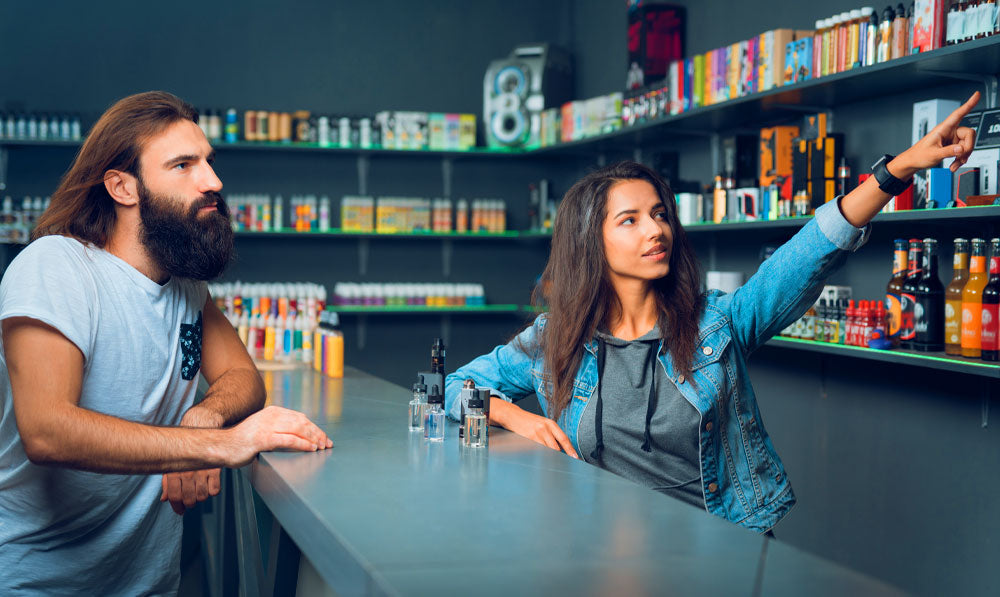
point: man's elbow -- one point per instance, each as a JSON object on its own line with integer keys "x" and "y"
{"x": 41, "y": 448}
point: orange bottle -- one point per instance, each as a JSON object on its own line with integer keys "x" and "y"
{"x": 953, "y": 299}
{"x": 972, "y": 301}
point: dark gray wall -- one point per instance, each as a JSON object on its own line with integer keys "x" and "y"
{"x": 895, "y": 473}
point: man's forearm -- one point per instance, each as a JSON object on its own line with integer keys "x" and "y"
{"x": 79, "y": 438}
{"x": 237, "y": 394}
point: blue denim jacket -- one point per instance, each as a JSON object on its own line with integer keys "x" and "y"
{"x": 743, "y": 478}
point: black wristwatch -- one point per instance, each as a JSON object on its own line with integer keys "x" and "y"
{"x": 886, "y": 181}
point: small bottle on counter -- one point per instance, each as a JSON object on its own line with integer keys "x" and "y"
{"x": 434, "y": 417}
{"x": 467, "y": 393}
{"x": 476, "y": 423}
{"x": 418, "y": 407}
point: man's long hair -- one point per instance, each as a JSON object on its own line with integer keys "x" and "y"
{"x": 578, "y": 292}
{"x": 81, "y": 207}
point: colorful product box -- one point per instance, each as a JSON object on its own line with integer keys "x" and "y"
{"x": 776, "y": 145}
{"x": 688, "y": 84}
{"x": 436, "y": 135}
{"x": 733, "y": 64}
{"x": 698, "y": 88}
{"x": 466, "y": 131}
{"x": 772, "y": 54}
{"x": 798, "y": 61}
{"x": 928, "y": 25}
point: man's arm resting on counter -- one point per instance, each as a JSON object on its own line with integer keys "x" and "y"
{"x": 235, "y": 390}
{"x": 46, "y": 375}
{"x": 946, "y": 140}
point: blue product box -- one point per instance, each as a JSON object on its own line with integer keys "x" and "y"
{"x": 938, "y": 187}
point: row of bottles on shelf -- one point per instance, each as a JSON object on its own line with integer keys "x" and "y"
{"x": 918, "y": 311}
{"x": 386, "y": 130}
{"x": 284, "y": 322}
{"x": 406, "y": 214}
{"x": 17, "y": 220}
{"x": 39, "y": 127}
{"x": 409, "y": 294}
{"x": 261, "y": 212}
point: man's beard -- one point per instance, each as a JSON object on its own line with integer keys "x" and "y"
{"x": 184, "y": 243}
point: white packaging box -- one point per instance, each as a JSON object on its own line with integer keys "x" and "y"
{"x": 928, "y": 114}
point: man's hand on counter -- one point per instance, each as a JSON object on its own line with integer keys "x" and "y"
{"x": 274, "y": 428}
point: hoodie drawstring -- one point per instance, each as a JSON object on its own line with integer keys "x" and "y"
{"x": 650, "y": 399}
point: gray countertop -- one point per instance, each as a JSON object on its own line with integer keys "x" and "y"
{"x": 385, "y": 512}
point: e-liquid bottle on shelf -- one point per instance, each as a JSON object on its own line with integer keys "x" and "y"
{"x": 437, "y": 357}
{"x": 907, "y": 332}
{"x": 991, "y": 303}
{"x": 894, "y": 291}
{"x": 434, "y": 417}
{"x": 928, "y": 320}
{"x": 476, "y": 424}
{"x": 972, "y": 301}
{"x": 884, "y": 50}
{"x": 418, "y": 407}
{"x": 953, "y": 299}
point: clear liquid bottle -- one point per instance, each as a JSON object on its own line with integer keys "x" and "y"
{"x": 418, "y": 407}
{"x": 434, "y": 417}
{"x": 476, "y": 424}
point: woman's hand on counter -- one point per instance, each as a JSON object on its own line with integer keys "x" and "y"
{"x": 539, "y": 429}
{"x": 273, "y": 428}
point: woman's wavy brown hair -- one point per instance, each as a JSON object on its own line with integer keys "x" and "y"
{"x": 81, "y": 207}
{"x": 577, "y": 290}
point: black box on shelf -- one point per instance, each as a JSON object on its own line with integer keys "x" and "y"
{"x": 826, "y": 155}
{"x": 739, "y": 158}
{"x": 801, "y": 154}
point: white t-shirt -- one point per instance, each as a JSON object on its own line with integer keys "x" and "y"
{"x": 66, "y": 531}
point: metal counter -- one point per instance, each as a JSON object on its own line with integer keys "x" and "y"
{"x": 385, "y": 512}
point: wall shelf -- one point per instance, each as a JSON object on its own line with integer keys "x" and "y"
{"x": 336, "y": 232}
{"x": 419, "y": 309}
{"x": 974, "y": 59}
{"x": 933, "y": 360}
{"x": 916, "y": 71}
{"x": 913, "y": 215}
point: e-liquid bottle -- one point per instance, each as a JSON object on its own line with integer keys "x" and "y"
{"x": 418, "y": 407}
{"x": 434, "y": 416}
{"x": 476, "y": 424}
{"x": 928, "y": 319}
{"x": 467, "y": 393}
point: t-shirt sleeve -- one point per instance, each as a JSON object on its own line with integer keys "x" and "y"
{"x": 49, "y": 281}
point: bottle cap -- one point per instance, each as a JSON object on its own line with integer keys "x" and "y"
{"x": 435, "y": 396}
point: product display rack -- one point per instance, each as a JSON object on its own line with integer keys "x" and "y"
{"x": 911, "y": 215}
{"x": 975, "y": 60}
{"x": 337, "y": 232}
{"x": 928, "y": 360}
{"x": 419, "y": 309}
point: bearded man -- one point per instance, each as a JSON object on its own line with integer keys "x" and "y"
{"x": 106, "y": 324}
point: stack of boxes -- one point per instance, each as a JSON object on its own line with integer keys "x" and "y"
{"x": 815, "y": 157}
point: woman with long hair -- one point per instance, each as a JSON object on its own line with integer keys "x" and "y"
{"x": 640, "y": 372}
